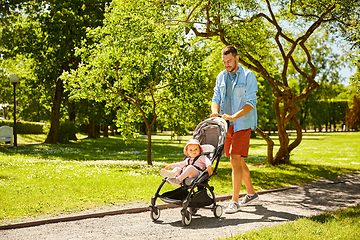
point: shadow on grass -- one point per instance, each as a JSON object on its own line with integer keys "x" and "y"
{"x": 263, "y": 176}
{"x": 350, "y": 213}
{"x": 2, "y": 177}
{"x": 113, "y": 148}
{"x": 268, "y": 176}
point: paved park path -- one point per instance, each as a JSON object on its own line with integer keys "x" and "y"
{"x": 273, "y": 208}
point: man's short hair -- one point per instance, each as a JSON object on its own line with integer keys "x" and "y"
{"x": 229, "y": 49}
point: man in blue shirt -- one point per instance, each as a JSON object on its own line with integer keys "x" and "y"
{"x": 235, "y": 100}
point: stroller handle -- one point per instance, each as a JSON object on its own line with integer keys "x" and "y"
{"x": 227, "y": 121}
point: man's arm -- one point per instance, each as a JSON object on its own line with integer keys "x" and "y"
{"x": 251, "y": 90}
{"x": 242, "y": 112}
{"x": 215, "y": 109}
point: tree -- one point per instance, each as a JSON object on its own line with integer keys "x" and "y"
{"x": 327, "y": 64}
{"x": 48, "y": 33}
{"x": 258, "y": 30}
{"x": 30, "y": 101}
{"x": 137, "y": 64}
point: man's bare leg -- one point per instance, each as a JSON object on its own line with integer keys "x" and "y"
{"x": 240, "y": 172}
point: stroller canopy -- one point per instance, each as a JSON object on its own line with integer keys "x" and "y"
{"x": 211, "y": 131}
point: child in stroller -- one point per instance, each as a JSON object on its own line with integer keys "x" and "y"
{"x": 195, "y": 193}
{"x": 192, "y": 166}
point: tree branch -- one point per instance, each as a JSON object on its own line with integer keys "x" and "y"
{"x": 298, "y": 139}
{"x": 301, "y": 15}
{"x": 284, "y": 56}
{"x": 206, "y": 34}
{"x": 293, "y": 109}
{"x": 192, "y": 11}
{"x": 251, "y": 19}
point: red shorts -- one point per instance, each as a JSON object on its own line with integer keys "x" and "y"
{"x": 237, "y": 142}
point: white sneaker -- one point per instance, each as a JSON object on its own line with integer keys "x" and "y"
{"x": 165, "y": 173}
{"x": 233, "y": 207}
{"x": 249, "y": 199}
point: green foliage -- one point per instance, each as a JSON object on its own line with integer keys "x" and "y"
{"x": 25, "y": 127}
{"x": 271, "y": 37}
{"x": 327, "y": 113}
{"x": 33, "y": 102}
{"x": 90, "y": 110}
{"x": 319, "y": 108}
{"x": 354, "y": 56}
{"x": 355, "y": 80}
{"x": 265, "y": 107}
{"x": 145, "y": 70}
{"x": 45, "y": 34}
{"x": 6, "y": 89}
{"x": 134, "y": 52}
{"x": 66, "y": 130}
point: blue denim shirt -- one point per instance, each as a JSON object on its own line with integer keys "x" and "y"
{"x": 244, "y": 91}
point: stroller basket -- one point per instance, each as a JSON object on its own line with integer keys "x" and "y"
{"x": 200, "y": 198}
{"x": 176, "y": 196}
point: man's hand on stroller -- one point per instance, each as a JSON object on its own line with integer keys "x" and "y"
{"x": 215, "y": 115}
{"x": 227, "y": 117}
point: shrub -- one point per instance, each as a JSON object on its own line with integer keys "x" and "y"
{"x": 24, "y": 127}
{"x": 67, "y": 129}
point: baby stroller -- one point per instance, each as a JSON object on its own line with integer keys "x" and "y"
{"x": 196, "y": 193}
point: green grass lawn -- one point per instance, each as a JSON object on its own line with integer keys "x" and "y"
{"x": 44, "y": 179}
{"x": 340, "y": 224}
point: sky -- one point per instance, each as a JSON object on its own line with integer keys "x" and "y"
{"x": 347, "y": 72}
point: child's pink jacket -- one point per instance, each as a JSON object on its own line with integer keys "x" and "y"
{"x": 202, "y": 162}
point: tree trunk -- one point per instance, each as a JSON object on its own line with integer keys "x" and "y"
{"x": 298, "y": 139}
{"x": 106, "y": 131}
{"x": 283, "y": 116}
{"x": 97, "y": 131}
{"x": 91, "y": 129}
{"x": 112, "y": 130}
{"x": 270, "y": 144}
{"x": 72, "y": 136}
{"x": 283, "y": 155}
{"x": 52, "y": 136}
{"x": 149, "y": 145}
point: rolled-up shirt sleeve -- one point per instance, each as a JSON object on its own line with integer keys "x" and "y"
{"x": 251, "y": 90}
{"x": 216, "y": 96}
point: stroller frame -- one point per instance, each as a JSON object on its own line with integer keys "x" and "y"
{"x": 193, "y": 193}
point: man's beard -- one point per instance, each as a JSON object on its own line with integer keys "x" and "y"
{"x": 232, "y": 69}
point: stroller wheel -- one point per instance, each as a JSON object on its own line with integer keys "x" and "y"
{"x": 186, "y": 217}
{"x": 193, "y": 210}
{"x": 154, "y": 213}
{"x": 217, "y": 211}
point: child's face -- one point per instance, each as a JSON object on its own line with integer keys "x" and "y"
{"x": 193, "y": 150}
